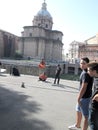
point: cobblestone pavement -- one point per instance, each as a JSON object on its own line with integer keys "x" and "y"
{"x": 38, "y": 106}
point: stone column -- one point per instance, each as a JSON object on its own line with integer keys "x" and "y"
{"x": 76, "y": 69}
{"x": 66, "y": 68}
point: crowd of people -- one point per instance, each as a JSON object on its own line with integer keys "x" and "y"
{"x": 87, "y": 100}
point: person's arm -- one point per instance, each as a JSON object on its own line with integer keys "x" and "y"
{"x": 95, "y": 97}
{"x": 82, "y": 91}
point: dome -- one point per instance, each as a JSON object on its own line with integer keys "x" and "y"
{"x": 43, "y": 11}
{"x": 43, "y": 18}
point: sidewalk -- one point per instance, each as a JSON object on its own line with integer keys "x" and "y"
{"x": 38, "y": 106}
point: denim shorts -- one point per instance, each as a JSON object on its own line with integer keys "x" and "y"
{"x": 84, "y": 108}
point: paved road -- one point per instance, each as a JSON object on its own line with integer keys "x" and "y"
{"x": 38, "y": 106}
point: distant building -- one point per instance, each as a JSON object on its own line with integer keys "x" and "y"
{"x": 88, "y": 48}
{"x": 8, "y": 44}
{"x": 37, "y": 41}
{"x": 74, "y": 51}
{"x": 40, "y": 41}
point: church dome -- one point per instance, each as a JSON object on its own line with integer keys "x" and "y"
{"x": 43, "y": 12}
{"x": 43, "y": 18}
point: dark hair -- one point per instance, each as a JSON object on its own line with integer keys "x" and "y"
{"x": 85, "y": 59}
{"x": 93, "y": 66}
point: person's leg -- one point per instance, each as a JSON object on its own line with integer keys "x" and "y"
{"x": 77, "y": 125}
{"x": 85, "y": 111}
{"x": 58, "y": 79}
{"x": 55, "y": 79}
{"x": 85, "y": 123}
{"x": 78, "y": 119}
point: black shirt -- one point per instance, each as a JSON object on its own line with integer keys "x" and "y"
{"x": 94, "y": 104}
{"x": 58, "y": 71}
{"x": 85, "y": 78}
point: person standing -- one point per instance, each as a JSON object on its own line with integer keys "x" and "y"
{"x": 93, "y": 110}
{"x": 83, "y": 100}
{"x": 57, "y": 74}
{"x": 42, "y": 66}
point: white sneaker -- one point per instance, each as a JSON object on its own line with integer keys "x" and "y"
{"x": 73, "y": 127}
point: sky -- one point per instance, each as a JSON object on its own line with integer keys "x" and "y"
{"x": 77, "y": 19}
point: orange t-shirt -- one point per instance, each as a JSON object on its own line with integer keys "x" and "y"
{"x": 42, "y": 65}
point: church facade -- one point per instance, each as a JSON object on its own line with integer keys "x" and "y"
{"x": 39, "y": 40}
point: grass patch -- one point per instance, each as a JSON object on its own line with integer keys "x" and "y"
{"x": 70, "y": 77}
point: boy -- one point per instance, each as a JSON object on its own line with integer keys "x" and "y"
{"x": 83, "y": 100}
{"x": 57, "y": 74}
{"x": 93, "y": 114}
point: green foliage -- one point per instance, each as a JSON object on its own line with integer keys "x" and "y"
{"x": 18, "y": 56}
{"x": 70, "y": 77}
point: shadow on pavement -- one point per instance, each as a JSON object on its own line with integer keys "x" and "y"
{"x": 17, "y": 112}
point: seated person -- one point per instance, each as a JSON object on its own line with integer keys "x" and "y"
{"x": 15, "y": 71}
{"x": 43, "y": 77}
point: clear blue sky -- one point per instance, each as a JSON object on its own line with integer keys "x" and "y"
{"x": 77, "y": 19}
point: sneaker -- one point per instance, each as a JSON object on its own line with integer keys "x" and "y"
{"x": 73, "y": 127}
